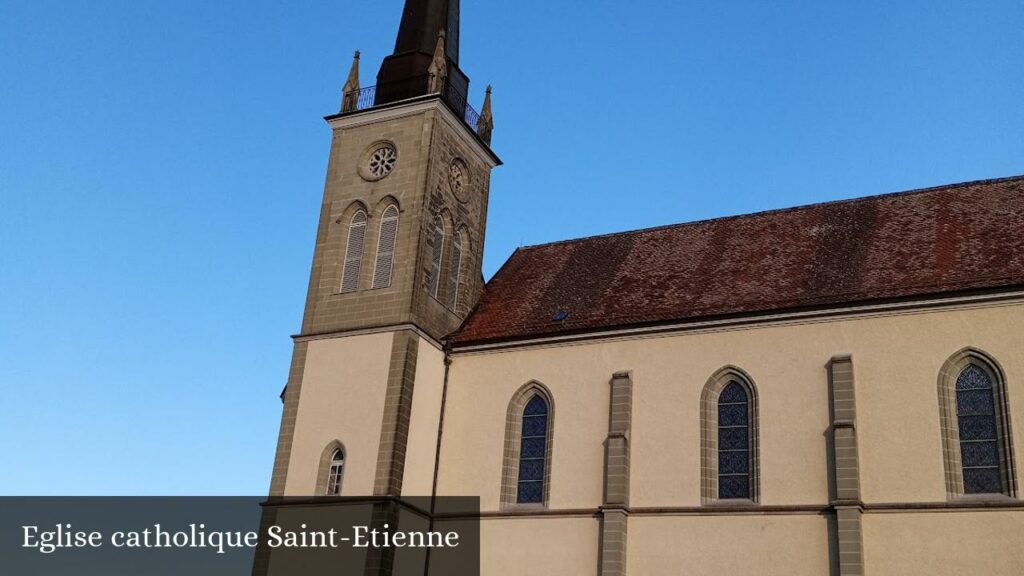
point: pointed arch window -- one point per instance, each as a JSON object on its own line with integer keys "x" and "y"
{"x": 354, "y": 252}
{"x": 978, "y": 451}
{"x": 386, "y": 248}
{"x": 533, "y": 452}
{"x": 733, "y": 443}
{"x": 455, "y": 270}
{"x": 979, "y": 436}
{"x": 335, "y": 473}
{"x": 434, "y": 280}
{"x": 526, "y": 476}
{"x": 729, "y": 438}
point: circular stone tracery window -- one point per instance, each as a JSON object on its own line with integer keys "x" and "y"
{"x": 380, "y": 161}
{"x": 458, "y": 179}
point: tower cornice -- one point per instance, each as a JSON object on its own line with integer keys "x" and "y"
{"x": 412, "y": 107}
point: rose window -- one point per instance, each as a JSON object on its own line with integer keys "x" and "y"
{"x": 382, "y": 161}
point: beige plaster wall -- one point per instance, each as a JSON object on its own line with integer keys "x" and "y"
{"x": 479, "y": 390}
{"x": 898, "y": 411}
{"x": 713, "y": 545}
{"x": 896, "y": 359}
{"x": 426, "y": 409}
{"x": 516, "y": 546}
{"x": 944, "y": 543}
{"x": 343, "y": 390}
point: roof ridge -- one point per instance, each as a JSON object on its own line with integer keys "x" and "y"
{"x": 1019, "y": 177}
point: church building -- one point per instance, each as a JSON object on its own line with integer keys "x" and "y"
{"x": 834, "y": 389}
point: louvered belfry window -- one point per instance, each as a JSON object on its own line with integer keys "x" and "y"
{"x": 434, "y": 281}
{"x": 454, "y": 270}
{"x": 979, "y": 432}
{"x": 354, "y": 252}
{"x": 386, "y": 248}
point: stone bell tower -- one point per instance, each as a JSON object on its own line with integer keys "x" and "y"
{"x": 397, "y": 267}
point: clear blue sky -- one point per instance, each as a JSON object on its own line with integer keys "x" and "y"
{"x": 162, "y": 165}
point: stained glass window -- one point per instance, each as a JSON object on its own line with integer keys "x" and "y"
{"x": 533, "y": 452}
{"x": 733, "y": 443}
{"x": 979, "y": 432}
{"x": 335, "y": 473}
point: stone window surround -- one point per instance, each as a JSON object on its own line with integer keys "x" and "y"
{"x": 366, "y": 172}
{"x": 949, "y": 423}
{"x": 324, "y": 469}
{"x": 513, "y": 438}
{"x": 374, "y": 215}
{"x": 709, "y": 436}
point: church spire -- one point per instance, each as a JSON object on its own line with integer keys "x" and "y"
{"x": 421, "y": 21}
{"x": 429, "y": 32}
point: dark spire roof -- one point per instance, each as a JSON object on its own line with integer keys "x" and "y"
{"x": 405, "y": 73}
{"x": 421, "y": 21}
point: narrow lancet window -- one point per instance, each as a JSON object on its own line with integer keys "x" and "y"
{"x": 977, "y": 438}
{"x": 354, "y": 252}
{"x": 386, "y": 248}
{"x": 335, "y": 473}
{"x": 979, "y": 432}
{"x": 454, "y": 271}
{"x": 733, "y": 443}
{"x": 533, "y": 452}
{"x": 434, "y": 280}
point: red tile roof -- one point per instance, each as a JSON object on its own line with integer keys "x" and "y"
{"x": 958, "y": 238}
